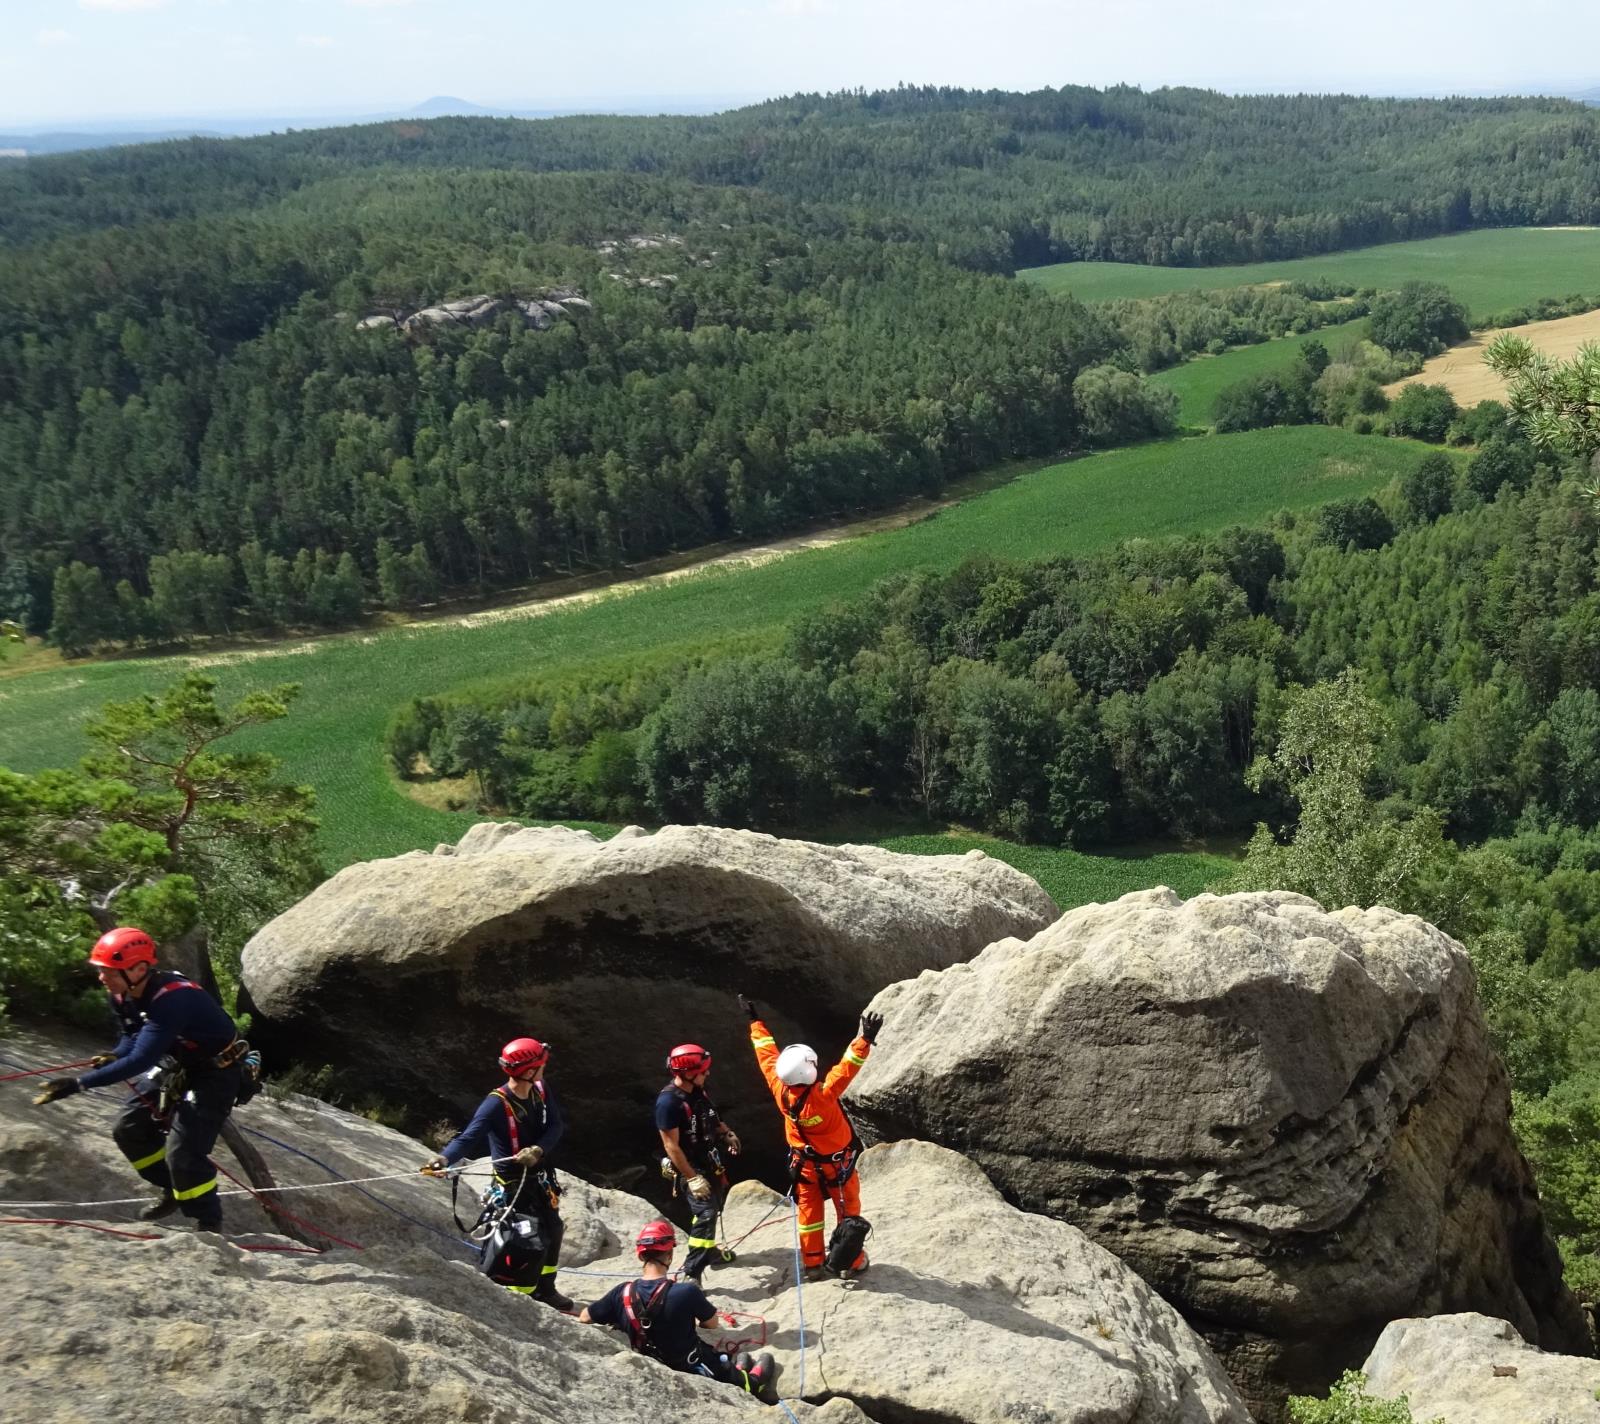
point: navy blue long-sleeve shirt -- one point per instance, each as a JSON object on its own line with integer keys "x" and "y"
{"x": 540, "y": 1123}
{"x": 173, "y": 1016}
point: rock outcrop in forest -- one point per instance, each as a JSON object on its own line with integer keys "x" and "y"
{"x": 1290, "y": 1122}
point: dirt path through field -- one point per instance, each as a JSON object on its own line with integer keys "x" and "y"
{"x": 1461, "y": 368}
{"x": 619, "y": 586}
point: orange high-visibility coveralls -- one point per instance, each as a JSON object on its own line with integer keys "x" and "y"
{"x": 812, "y": 1118}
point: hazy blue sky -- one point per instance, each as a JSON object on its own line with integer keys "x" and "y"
{"x": 87, "y": 58}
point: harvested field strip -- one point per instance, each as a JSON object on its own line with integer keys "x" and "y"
{"x": 1462, "y": 371}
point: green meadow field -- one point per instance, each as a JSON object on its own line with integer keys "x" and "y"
{"x": 1197, "y": 381}
{"x": 1489, "y": 270}
{"x": 352, "y": 683}
{"x": 1072, "y": 878}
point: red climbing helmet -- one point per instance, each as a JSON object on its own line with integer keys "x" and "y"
{"x": 122, "y": 948}
{"x": 689, "y": 1059}
{"x": 657, "y": 1236}
{"x": 523, "y": 1053}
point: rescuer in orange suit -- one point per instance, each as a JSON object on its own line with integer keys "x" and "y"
{"x": 823, "y": 1145}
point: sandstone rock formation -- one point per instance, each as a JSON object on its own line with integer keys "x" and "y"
{"x": 1289, "y": 1122}
{"x": 540, "y": 311}
{"x": 1471, "y": 1369}
{"x": 410, "y": 973}
{"x": 973, "y": 1310}
{"x": 100, "y": 1327}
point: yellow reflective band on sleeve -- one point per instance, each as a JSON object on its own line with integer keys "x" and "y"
{"x": 190, "y": 1193}
{"x": 851, "y": 1056}
{"x": 523, "y": 1290}
{"x": 701, "y": 1241}
{"x": 805, "y": 1229}
{"x": 151, "y": 1160}
{"x": 764, "y": 1042}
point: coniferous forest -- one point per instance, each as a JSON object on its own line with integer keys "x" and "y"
{"x": 786, "y": 312}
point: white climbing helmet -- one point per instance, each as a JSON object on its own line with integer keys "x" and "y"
{"x": 797, "y": 1065}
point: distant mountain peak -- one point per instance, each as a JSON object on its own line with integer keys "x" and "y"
{"x": 447, "y": 104}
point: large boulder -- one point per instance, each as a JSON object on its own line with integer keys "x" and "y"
{"x": 408, "y": 974}
{"x": 1290, "y": 1122}
{"x": 971, "y": 1311}
{"x": 1472, "y": 1369}
{"x": 249, "y": 1327}
{"x": 190, "y": 1328}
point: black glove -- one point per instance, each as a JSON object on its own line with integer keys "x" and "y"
{"x": 58, "y": 1088}
{"x": 870, "y": 1024}
{"x": 101, "y": 1059}
{"x": 748, "y": 1008}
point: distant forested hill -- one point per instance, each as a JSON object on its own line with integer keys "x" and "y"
{"x": 785, "y": 312}
{"x": 1178, "y": 176}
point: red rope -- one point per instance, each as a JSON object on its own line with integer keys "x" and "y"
{"x": 138, "y": 1235}
{"x": 731, "y": 1347}
{"x": 274, "y": 1209}
{"x": 35, "y": 1072}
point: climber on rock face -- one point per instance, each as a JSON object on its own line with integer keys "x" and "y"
{"x": 518, "y": 1126}
{"x": 694, "y": 1138}
{"x": 823, "y": 1145}
{"x": 659, "y": 1318}
{"x": 173, "y": 1030}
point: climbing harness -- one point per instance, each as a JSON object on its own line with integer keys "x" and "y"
{"x": 642, "y": 1314}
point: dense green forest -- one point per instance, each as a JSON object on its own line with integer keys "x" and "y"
{"x": 1108, "y": 697}
{"x": 201, "y": 436}
{"x": 995, "y": 180}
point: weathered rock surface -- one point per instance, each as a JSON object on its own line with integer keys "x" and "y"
{"x": 1471, "y": 1369}
{"x": 1289, "y": 1122}
{"x": 190, "y": 1327}
{"x": 972, "y": 1310}
{"x": 416, "y": 969}
{"x": 540, "y": 311}
{"x": 65, "y": 1151}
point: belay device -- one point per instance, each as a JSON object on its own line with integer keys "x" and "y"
{"x": 849, "y": 1236}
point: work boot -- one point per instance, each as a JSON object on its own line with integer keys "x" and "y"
{"x": 211, "y": 1226}
{"x": 819, "y": 1272}
{"x": 762, "y": 1374}
{"x": 165, "y": 1206}
{"x": 547, "y": 1294}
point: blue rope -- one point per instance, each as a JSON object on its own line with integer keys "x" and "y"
{"x": 371, "y": 1196}
{"x": 799, "y": 1308}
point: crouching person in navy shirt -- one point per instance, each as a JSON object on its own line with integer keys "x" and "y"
{"x": 659, "y": 1315}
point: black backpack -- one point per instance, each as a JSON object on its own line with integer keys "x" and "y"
{"x": 513, "y": 1252}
